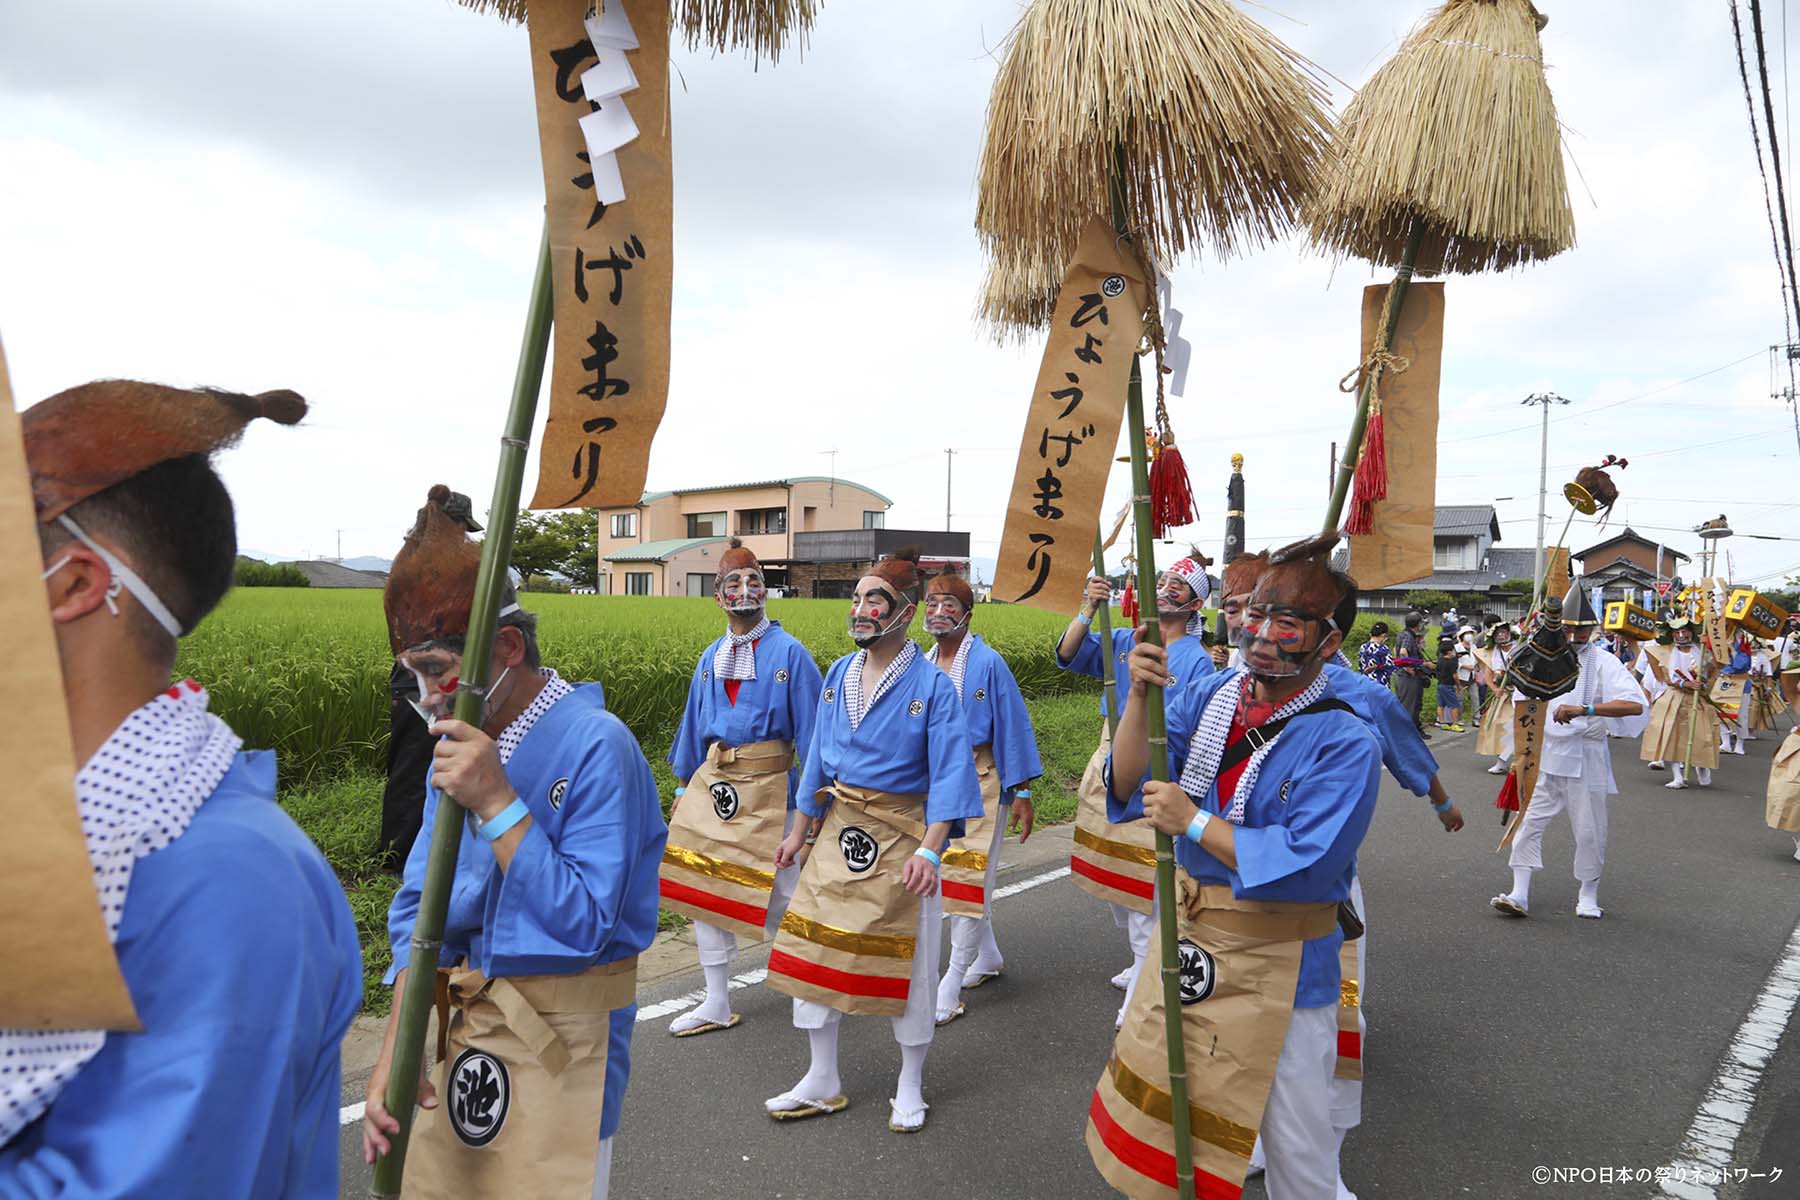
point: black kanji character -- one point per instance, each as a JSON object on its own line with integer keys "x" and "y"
{"x": 1086, "y": 352}
{"x": 1039, "y": 562}
{"x": 605, "y": 346}
{"x": 1069, "y": 441}
{"x": 1092, "y": 307}
{"x": 585, "y": 181}
{"x": 569, "y": 62}
{"x": 1072, "y": 394}
{"x": 1049, "y": 488}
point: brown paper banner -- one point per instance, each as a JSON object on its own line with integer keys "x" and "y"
{"x": 60, "y": 972}
{"x": 611, "y": 264}
{"x": 1528, "y": 741}
{"x": 1072, "y": 427}
{"x": 1556, "y": 572}
{"x": 1398, "y": 550}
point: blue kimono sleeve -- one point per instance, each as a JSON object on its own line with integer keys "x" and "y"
{"x": 1324, "y": 820}
{"x": 206, "y": 1100}
{"x": 1015, "y": 742}
{"x": 464, "y": 911}
{"x": 812, "y": 770}
{"x": 1403, "y": 751}
{"x": 804, "y": 686}
{"x": 689, "y": 750}
{"x": 954, "y": 791}
{"x": 559, "y": 904}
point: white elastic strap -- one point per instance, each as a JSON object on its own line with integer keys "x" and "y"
{"x": 124, "y": 576}
{"x": 508, "y": 611}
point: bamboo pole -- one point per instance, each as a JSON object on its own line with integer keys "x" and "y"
{"x": 1109, "y": 683}
{"x": 446, "y": 830}
{"x": 1156, "y": 726}
{"x": 1396, "y": 300}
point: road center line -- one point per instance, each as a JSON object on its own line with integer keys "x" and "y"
{"x": 350, "y": 1114}
{"x": 1711, "y": 1140}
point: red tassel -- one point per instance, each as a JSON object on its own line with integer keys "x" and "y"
{"x": 1371, "y": 477}
{"x": 1508, "y": 799}
{"x": 1171, "y": 494}
{"x": 1128, "y": 603}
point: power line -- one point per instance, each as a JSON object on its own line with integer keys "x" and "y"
{"x": 1762, "y": 71}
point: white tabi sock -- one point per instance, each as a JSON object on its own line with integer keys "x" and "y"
{"x": 1521, "y": 888}
{"x": 1703, "y": 776}
{"x": 1588, "y": 897}
{"x": 821, "y": 1080}
{"x": 963, "y": 941}
{"x": 987, "y": 956}
{"x": 909, "y": 1092}
{"x": 717, "y": 1005}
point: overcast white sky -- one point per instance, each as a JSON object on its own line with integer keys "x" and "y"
{"x": 343, "y": 197}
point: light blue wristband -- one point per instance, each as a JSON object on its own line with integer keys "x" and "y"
{"x": 1085, "y": 618}
{"x": 930, "y": 856}
{"x": 1021, "y": 793}
{"x": 1440, "y": 809}
{"x": 509, "y": 816}
{"x": 1198, "y": 825}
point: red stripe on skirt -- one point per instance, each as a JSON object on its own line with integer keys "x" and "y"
{"x": 973, "y": 893}
{"x": 1119, "y": 883}
{"x": 1349, "y": 1044}
{"x": 1151, "y": 1162}
{"x": 737, "y": 910}
{"x": 849, "y": 983}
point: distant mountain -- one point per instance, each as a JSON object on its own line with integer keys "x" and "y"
{"x": 263, "y": 555}
{"x": 369, "y": 562}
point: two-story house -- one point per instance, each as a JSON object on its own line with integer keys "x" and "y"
{"x": 1465, "y": 563}
{"x": 814, "y": 535}
{"x": 1627, "y": 565}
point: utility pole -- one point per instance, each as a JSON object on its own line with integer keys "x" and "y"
{"x": 949, "y": 457}
{"x": 831, "y": 491}
{"x": 340, "y": 545}
{"x": 1545, "y": 399}
{"x": 1331, "y": 472}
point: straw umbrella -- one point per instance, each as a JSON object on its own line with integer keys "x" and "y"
{"x": 1448, "y": 161}
{"x": 762, "y": 26}
{"x": 1188, "y": 125}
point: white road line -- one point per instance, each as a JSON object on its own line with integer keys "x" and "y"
{"x": 350, "y": 1114}
{"x": 1711, "y": 1140}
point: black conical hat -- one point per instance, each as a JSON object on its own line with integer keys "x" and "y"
{"x": 1547, "y": 665}
{"x": 1577, "y": 608}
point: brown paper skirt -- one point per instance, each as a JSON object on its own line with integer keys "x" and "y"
{"x": 1349, "y": 1014}
{"x": 1784, "y": 786}
{"x": 1240, "y": 961}
{"x": 718, "y": 867}
{"x": 1115, "y": 863}
{"x": 1666, "y": 736}
{"x": 965, "y": 870}
{"x": 1495, "y": 734}
{"x": 848, "y": 937}
{"x": 520, "y": 1087}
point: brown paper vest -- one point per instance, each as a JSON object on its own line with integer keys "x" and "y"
{"x": 611, "y": 264}
{"x": 60, "y": 970}
{"x": 1528, "y": 741}
{"x": 1556, "y": 572}
{"x": 1399, "y": 548}
{"x": 1783, "y": 809}
{"x": 1072, "y": 427}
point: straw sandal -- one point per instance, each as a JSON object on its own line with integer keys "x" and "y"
{"x": 798, "y": 1108}
{"x": 974, "y": 978}
{"x": 1506, "y": 906}
{"x": 947, "y": 1015}
{"x": 704, "y": 1025}
{"x": 907, "y": 1122}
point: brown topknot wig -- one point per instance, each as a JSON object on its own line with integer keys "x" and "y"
{"x": 738, "y": 557}
{"x": 1300, "y": 576}
{"x": 900, "y": 570}
{"x": 431, "y": 586}
{"x": 1238, "y": 577}
{"x": 952, "y": 582}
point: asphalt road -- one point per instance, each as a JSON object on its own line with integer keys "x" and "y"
{"x": 1495, "y": 1046}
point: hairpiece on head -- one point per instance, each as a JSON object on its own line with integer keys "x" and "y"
{"x": 1239, "y": 576}
{"x": 84, "y": 440}
{"x": 900, "y": 571}
{"x": 431, "y": 586}
{"x": 738, "y": 557}
{"x": 952, "y": 582}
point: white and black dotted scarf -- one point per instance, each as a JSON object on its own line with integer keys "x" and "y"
{"x": 555, "y": 688}
{"x": 1208, "y": 743}
{"x": 138, "y": 793}
{"x": 854, "y": 706}
{"x": 959, "y": 664}
{"x": 736, "y": 656}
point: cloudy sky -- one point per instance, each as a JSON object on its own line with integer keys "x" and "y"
{"x": 343, "y": 197}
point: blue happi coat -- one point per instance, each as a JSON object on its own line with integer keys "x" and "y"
{"x": 581, "y": 888}
{"x": 1302, "y": 823}
{"x": 913, "y": 741}
{"x": 1403, "y": 751}
{"x": 780, "y": 704}
{"x": 1188, "y": 661}
{"x": 996, "y": 716}
{"x": 241, "y": 957}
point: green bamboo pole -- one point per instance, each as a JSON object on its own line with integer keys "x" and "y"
{"x": 1180, "y": 1118}
{"x": 1396, "y": 300}
{"x": 446, "y": 831}
{"x": 1109, "y": 684}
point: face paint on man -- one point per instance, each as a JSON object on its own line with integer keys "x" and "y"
{"x": 1278, "y": 642}
{"x": 741, "y": 592}
{"x": 945, "y": 615}
{"x": 875, "y": 611}
{"x": 438, "y": 671}
{"x": 1174, "y": 596}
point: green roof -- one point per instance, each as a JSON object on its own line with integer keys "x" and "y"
{"x": 647, "y": 497}
{"x": 661, "y": 551}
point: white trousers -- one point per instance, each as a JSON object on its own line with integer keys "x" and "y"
{"x": 1586, "y": 804}
{"x": 1346, "y": 1094}
{"x": 915, "y": 1026}
{"x": 1299, "y": 1141}
{"x": 718, "y": 946}
{"x": 966, "y": 933}
{"x": 603, "y": 1170}
{"x": 1138, "y": 927}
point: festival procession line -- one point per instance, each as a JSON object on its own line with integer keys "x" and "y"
{"x": 349, "y": 1114}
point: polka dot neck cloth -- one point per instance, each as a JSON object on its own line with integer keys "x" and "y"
{"x": 136, "y": 794}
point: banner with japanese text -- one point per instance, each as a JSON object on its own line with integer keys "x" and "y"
{"x": 602, "y": 86}
{"x": 1399, "y": 548}
{"x": 1072, "y": 428}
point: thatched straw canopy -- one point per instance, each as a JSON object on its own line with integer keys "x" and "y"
{"x": 1219, "y": 132}
{"x": 1459, "y": 130}
{"x": 761, "y": 26}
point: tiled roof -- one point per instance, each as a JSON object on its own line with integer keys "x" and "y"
{"x": 1631, "y": 535}
{"x": 660, "y": 551}
{"x": 1472, "y": 519}
{"x": 647, "y": 497}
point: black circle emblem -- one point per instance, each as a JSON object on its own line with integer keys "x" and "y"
{"x": 1113, "y": 286}
{"x": 860, "y": 850}
{"x": 980, "y": 694}
{"x": 725, "y": 800}
{"x": 916, "y": 707}
{"x": 830, "y": 695}
{"x": 480, "y": 1092}
{"x": 1199, "y": 973}
{"x": 556, "y": 793}
{"x": 781, "y": 675}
